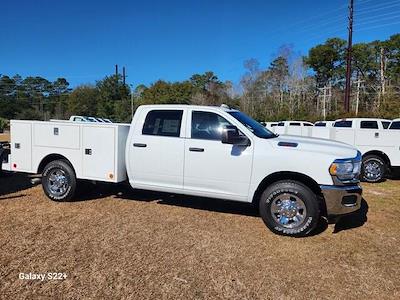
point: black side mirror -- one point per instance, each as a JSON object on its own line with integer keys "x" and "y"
{"x": 230, "y": 135}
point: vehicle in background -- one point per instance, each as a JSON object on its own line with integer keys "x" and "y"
{"x": 379, "y": 146}
{"x": 270, "y": 124}
{"x": 324, "y": 123}
{"x": 395, "y": 125}
{"x": 295, "y": 123}
{"x": 89, "y": 119}
{"x": 78, "y": 119}
{"x": 206, "y": 151}
{"x": 362, "y": 123}
{"x": 293, "y": 127}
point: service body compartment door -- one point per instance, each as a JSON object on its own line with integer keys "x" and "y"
{"x": 21, "y": 146}
{"x": 98, "y": 153}
{"x": 56, "y": 135}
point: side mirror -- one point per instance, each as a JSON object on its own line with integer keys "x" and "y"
{"x": 230, "y": 135}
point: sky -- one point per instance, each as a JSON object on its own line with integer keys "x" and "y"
{"x": 171, "y": 40}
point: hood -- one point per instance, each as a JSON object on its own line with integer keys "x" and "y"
{"x": 317, "y": 145}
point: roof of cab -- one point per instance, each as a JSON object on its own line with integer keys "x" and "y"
{"x": 362, "y": 119}
{"x": 160, "y": 106}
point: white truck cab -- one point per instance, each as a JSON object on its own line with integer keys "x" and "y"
{"x": 206, "y": 151}
{"x": 363, "y": 123}
{"x": 395, "y": 124}
{"x": 324, "y": 123}
{"x": 301, "y": 128}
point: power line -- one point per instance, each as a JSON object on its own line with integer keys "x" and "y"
{"x": 378, "y": 26}
{"x": 378, "y": 20}
{"x": 377, "y": 9}
{"x": 377, "y": 6}
{"x": 378, "y": 16}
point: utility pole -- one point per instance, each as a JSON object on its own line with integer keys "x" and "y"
{"x": 324, "y": 104}
{"x": 132, "y": 104}
{"x": 123, "y": 75}
{"x": 382, "y": 77}
{"x": 326, "y": 99}
{"x": 358, "y": 82}
{"x": 348, "y": 61}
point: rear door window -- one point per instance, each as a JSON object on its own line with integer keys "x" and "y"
{"x": 294, "y": 124}
{"x": 395, "y": 125}
{"x": 320, "y": 124}
{"x": 163, "y": 123}
{"x": 369, "y": 125}
{"x": 343, "y": 124}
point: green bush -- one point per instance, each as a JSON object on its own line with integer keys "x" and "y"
{"x": 3, "y": 124}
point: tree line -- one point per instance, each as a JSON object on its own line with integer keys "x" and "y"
{"x": 292, "y": 86}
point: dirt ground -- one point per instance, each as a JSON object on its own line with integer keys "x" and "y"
{"x": 4, "y": 137}
{"x": 118, "y": 244}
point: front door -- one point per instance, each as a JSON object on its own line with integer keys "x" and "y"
{"x": 212, "y": 168}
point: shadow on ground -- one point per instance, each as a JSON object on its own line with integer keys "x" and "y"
{"x": 354, "y": 220}
{"x": 12, "y": 183}
{"x": 89, "y": 191}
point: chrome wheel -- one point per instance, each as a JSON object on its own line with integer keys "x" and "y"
{"x": 57, "y": 182}
{"x": 288, "y": 210}
{"x": 372, "y": 170}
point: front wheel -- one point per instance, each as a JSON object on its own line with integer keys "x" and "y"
{"x": 373, "y": 169}
{"x": 59, "y": 180}
{"x": 289, "y": 208}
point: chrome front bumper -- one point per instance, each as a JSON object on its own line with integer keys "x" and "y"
{"x": 341, "y": 199}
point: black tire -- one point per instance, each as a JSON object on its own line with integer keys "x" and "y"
{"x": 373, "y": 169}
{"x": 294, "y": 198}
{"x": 59, "y": 181}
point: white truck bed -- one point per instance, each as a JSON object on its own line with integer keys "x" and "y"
{"x": 96, "y": 150}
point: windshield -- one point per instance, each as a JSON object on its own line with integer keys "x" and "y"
{"x": 255, "y": 127}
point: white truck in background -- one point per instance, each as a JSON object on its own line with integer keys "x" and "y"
{"x": 379, "y": 145}
{"x": 206, "y": 151}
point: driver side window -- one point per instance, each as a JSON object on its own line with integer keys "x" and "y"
{"x": 207, "y": 125}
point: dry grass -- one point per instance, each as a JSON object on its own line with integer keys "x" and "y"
{"x": 122, "y": 244}
{"x": 4, "y": 137}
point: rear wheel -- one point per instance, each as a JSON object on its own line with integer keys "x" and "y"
{"x": 289, "y": 208}
{"x": 59, "y": 180}
{"x": 373, "y": 169}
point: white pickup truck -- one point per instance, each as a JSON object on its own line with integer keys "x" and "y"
{"x": 214, "y": 152}
{"x": 378, "y": 144}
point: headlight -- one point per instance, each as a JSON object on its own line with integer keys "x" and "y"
{"x": 346, "y": 169}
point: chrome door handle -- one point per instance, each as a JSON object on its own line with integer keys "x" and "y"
{"x": 196, "y": 149}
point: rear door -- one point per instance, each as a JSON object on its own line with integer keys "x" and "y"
{"x": 158, "y": 149}
{"x": 344, "y": 132}
{"x": 212, "y": 168}
{"x": 368, "y": 134}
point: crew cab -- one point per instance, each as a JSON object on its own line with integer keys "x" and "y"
{"x": 363, "y": 123}
{"x": 214, "y": 152}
